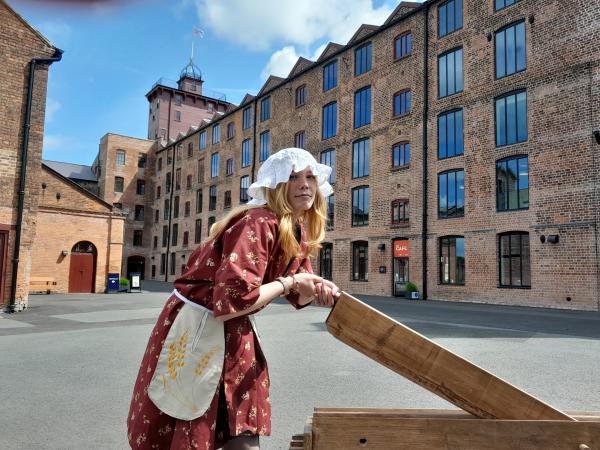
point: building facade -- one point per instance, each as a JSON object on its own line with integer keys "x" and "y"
{"x": 462, "y": 139}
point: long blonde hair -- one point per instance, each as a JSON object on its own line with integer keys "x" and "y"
{"x": 314, "y": 220}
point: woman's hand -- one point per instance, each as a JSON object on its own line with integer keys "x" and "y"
{"x": 325, "y": 291}
{"x": 305, "y": 284}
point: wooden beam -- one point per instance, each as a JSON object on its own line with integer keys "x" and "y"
{"x": 431, "y": 366}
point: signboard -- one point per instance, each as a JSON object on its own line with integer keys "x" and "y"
{"x": 113, "y": 282}
{"x": 135, "y": 282}
{"x": 401, "y": 249}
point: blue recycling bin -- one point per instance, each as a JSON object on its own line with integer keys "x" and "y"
{"x": 113, "y": 283}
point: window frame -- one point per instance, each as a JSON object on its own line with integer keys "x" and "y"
{"x": 300, "y": 139}
{"x": 362, "y": 222}
{"x": 496, "y": 9}
{"x": 510, "y": 235}
{"x": 329, "y": 74}
{"x": 365, "y": 107}
{"x": 265, "y": 109}
{"x": 457, "y": 188}
{"x": 329, "y": 161}
{"x": 405, "y": 34}
{"x": 246, "y": 153}
{"x": 400, "y": 203}
{"x": 462, "y": 20}
{"x": 504, "y": 30}
{"x": 407, "y": 100}
{"x": 356, "y": 274}
{"x": 516, "y": 158}
{"x": 504, "y": 96}
{"x": 121, "y": 181}
{"x": 118, "y": 158}
{"x": 329, "y": 120}
{"x": 214, "y": 165}
{"x": 246, "y": 118}
{"x": 368, "y": 59}
{"x": 447, "y": 53}
{"x": 216, "y": 133}
{"x": 445, "y": 115}
{"x": 365, "y": 150}
{"x": 301, "y": 95}
{"x": 402, "y": 150}
{"x": 244, "y": 198}
{"x": 265, "y": 149}
{"x": 441, "y": 261}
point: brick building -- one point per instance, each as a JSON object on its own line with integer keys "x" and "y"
{"x": 462, "y": 138}
{"x": 26, "y": 56}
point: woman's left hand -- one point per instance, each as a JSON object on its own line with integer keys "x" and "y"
{"x": 325, "y": 291}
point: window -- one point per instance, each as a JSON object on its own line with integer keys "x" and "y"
{"x": 400, "y": 154}
{"x": 450, "y": 134}
{"x": 330, "y": 76}
{"x": 186, "y": 238}
{"x": 118, "y": 205}
{"x": 172, "y": 264}
{"x": 265, "y": 109}
{"x": 140, "y": 188}
{"x": 156, "y": 214}
{"x": 142, "y": 161}
{"x": 153, "y": 271}
{"x": 265, "y": 145}
{"x": 137, "y": 238}
{"x": 330, "y": 212}
{"x": 203, "y": 140}
{"x": 362, "y": 59}
{"x": 211, "y": 221}
{"x": 177, "y": 116}
{"x": 155, "y": 242}
{"x": 168, "y": 183}
{"x": 190, "y": 149}
{"x": 403, "y": 45}
{"x": 301, "y": 95}
{"x": 512, "y": 183}
{"x": 451, "y": 194}
{"x": 326, "y": 260}
{"x": 514, "y": 261}
{"x": 511, "y": 118}
{"x": 452, "y": 260}
{"x": 178, "y": 151}
{"x": 230, "y": 130}
{"x": 216, "y": 134}
{"x": 299, "y": 139}
{"x": 450, "y": 73}
{"x": 119, "y": 181}
{"x": 362, "y": 107}
{"x": 360, "y": 260}
{"x": 247, "y": 118}
{"x": 210, "y": 107}
{"x": 188, "y": 182}
{"x": 163, "y": 262}
{"x": 227, "y": 199}
{"x": 229, "y": 166}
{"x": 401, "y": 103}
{"x": 176, "y": 207}
{"x": 163, "y": 132}
{"x": 177, "y": 99}
{"x": 174, "y": 233}
{"x": 212, "y": 198}
{"x": 198, "y": 201}
{"x": 329, "y": 120}
{"x": 214, "y": 165}
{"x": 159, "y": 165}
{"x": 120, "y": 158}
{"x": 246, "y": 153}
{"x": 200, "y": 170}
{"x": 169, "y": 157}
{"x": 139, "y": 213}
{"x": 500, "y": 4}
{"x": 360, "y": 206}
{"x": 186, "y": 210}
{"x": 166, "y": 209}
{"x": 165, "y": 235}
{"x": 244, "y": 185}
{"x": 360, "y": 158}
{"x": 450, "y": 17}
{"x": 328, "y": 158}
{"x": 510, "y": 50}
{"x": 178, "y": 179}
{"x": 198, "y": 231}
{"x": 400, "y": 212}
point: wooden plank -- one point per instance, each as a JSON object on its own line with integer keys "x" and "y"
{"x": 384, "y": 433}
{"x": 431, "y": 366}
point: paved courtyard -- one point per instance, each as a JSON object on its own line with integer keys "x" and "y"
{"x": 69, "y": 362}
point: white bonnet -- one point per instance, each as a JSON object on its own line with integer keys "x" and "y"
{"x": 278, "y": 167}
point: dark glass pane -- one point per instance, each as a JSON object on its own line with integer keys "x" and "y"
{"x": 500, "y": 122}
{"x": 443, "y": 195}
{"x": 451, "y": 72}
{"x": 458, "y": 64}
{"x": 522, "y": 116}
{"x": 513, "y": 184}
{"x": 520, "y": 46}
{"x": 452, "y": 262}
{"x": 515, "y": 271}
{"x": 407, "y": 154}
{"x": 458, "y": 121}
{"x": 442, "y": 20}
{"x": 409, "y": 43}
{"x": 460, "y": 194}
{"x": 500, "y": 55}
{"x": 460, "y": 260}
{"x": 501, "y": 186}
{"x": 442, "y": 142}
{"x": 459, "y": 14}
{"x": 510, "y": 50}
{"x": 451, "y": 193}
{"x": 505, "y": 271}
{"x": 523, "y": 183}
{"x": 525, "y": 261}
{"x": 450, "y": 16}
{"x": 442, "y": 77}
{"x": 407, "y": 94}
{"x": 451, "y": 138}
{"x": 511, "y": 119}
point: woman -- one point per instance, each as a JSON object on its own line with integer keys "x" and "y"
{"x": 257, "y": 253}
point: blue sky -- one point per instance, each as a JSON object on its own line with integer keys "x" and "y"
{"x": 114, "y": 51}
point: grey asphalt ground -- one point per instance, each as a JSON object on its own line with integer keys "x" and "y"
{"x": 69, "y": 362}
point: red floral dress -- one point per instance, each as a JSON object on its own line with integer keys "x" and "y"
{"x": 225, "y": 277}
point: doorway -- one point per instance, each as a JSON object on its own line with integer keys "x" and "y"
{"x": 3, "y": 248}
{"x": 136, "y": 264}
{"x": 82, "y": 269}
{"x": 400, "y": 276}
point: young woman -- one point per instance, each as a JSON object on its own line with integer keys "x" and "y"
{"x": 203, "y": 382}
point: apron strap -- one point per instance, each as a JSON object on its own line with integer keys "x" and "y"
{"x": 191, "y": 303}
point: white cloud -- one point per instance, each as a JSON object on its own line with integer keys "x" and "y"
{"x": 52, "y": 106}
{"x": 293, "y": 22}
{"x": 282, "y": 61}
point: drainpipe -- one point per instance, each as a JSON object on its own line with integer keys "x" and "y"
{"x": 23, "y": 175}
{"x": 253, "y": 142}
{"x": 425, "y": 147}
{"x": 170, "y": 209}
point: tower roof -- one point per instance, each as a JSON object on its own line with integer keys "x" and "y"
{"x": 191, "y": 71}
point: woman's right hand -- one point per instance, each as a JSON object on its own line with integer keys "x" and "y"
{"x": 304, "y": 284}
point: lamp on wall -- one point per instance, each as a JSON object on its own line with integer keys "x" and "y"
{"x": 64, "y": 253}
{"x": 596, "y": 133}
{"x": 381, "y": 247}
{"x": 58, "y": 196}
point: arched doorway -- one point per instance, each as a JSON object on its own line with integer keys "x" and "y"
{"x": 82, "y": 271}
{"x": 136, "y": 264}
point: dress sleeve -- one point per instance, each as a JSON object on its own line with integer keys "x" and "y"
{"x": 292, "y": 297}
{"x": 247, "y": 246}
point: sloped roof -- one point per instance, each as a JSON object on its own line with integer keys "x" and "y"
{"x": 331, "y": 48}
{"x": 402, "y": 9}
{"x": 362, "y": 31}
{"x": 247, "y": 99}
{"x": 271, "y": 82}
{"x": 300, "y": 65}
{"x": 36, "y": 32}
{"x": 71, "y": 171}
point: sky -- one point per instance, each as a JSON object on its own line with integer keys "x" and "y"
{"x": 115, "y": 50}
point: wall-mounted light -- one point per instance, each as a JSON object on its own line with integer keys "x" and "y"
{"x": 381, "y": 247}
{"x": 64, "y": 253}
{"x": 553, "y": 238}
{"x": 182, "y": 256}
{"x": 596, "y": 133}
{"x": 58, "y": 196}
{"x": 531, "y": 19}
{"x": 489, "y": 37}
{"x": 44, "y": 185}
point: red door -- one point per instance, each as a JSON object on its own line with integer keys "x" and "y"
{"x": 3, "y": 245}
{"x": 81, "y": 273}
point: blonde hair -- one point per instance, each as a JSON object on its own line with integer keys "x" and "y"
{"x": 314, "y": 220}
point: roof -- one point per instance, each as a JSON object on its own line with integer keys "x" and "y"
{"x": 72, "y": 171}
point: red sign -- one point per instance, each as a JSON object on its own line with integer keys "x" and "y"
{"x": 401, "y": 249}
